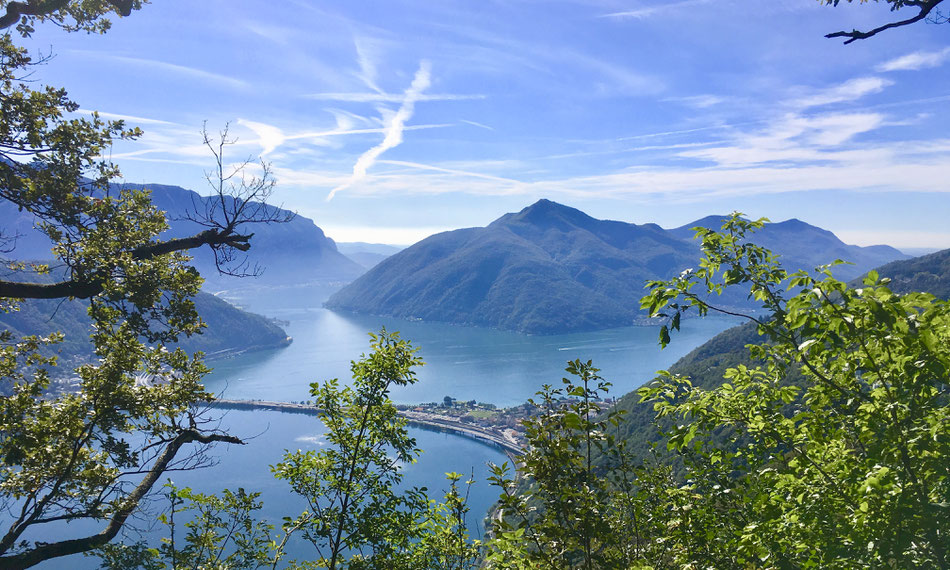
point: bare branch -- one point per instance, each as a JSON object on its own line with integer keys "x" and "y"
{"x": 925, "y": 6}
{"x": 238, "y": 198}
{"x": 84, "y": 289}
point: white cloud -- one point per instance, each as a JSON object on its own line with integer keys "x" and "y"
{"x": 269, "y": 136}
{"x": 848, "y": 91}
{"x": 394, "y": 130}
{"x": 477, "y": 124}
{"x": 127, "y": 118}
{"x": 916, "y": 60}
{"x": 365, "y": 59}
{"x": 698, "y": 101}
{"x": 418, "y": 166}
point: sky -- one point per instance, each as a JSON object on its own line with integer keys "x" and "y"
{"x": 387, "y": 121}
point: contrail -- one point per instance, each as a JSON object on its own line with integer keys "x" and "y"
{"x": 393, "y": 137}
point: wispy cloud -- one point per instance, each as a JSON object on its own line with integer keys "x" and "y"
{"x": 477, "y": 124}
{"x": 916, "y": 60}
{"x": 850, "y": 90}
{"x": 367, "y": 64}
{"x": 126, "y": 118}
{"x": 394, "y": 130}
{"x": 698, "y": 101}
{"x": 269, "y": 136}
{"x": 648, "y": 11}
{"x": 182, "y": 70}
{"x": 390, "y": 97}
{"x": 419, "y": 166}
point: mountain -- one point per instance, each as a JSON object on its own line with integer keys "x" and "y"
{"x": 930, "y": 273}
{"x": 546, "y": 269}
{"x": 367, "y": 254}
{"x": 550, "y": 269}
{"x": 229, "y": 331}
{"x": 295, "y": 252}
{"x": 803, "y": 246}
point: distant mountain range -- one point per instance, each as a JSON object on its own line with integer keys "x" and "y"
{"x": 297, "y": 251}
{"x": 294, "y": 252}
{"x": 367, "y": 254}
{"x": 550, "y": 269}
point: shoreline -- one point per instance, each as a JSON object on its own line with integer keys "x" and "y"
{"x": 424, "y": 420}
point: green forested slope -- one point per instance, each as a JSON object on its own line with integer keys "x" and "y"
{"x": 706, "y": 364}
{"x": 229, "y": 329}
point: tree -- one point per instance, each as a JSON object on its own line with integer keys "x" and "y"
{"x": 564, "y": 510}
{"x": 846, "y": 468}
{"x": 94, "y": 453}
{"x": 356, "y": 516}
{"x": 926, "y": 10}
{"x": 354, "y": 509}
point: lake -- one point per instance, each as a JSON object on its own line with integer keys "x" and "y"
{"x": 468, "y": 363}
{"x": 498, "y": 367}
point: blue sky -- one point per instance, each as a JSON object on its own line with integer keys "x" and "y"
{"x": 387, "y": 121}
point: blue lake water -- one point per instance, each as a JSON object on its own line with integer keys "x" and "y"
{"x": 467, "y": 363}
{"x": 502, "y": 368}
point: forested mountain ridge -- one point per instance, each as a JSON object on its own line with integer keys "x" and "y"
{"x": 550, "y": 269}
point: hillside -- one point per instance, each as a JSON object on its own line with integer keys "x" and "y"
{"x": 552, "y": 269}
{"x": 229, "y": 331}
{"x": 930, "y": 273}
{"x": 706, "y": 364}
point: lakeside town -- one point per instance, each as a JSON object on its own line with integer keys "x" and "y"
{"x": 502, "y": 427}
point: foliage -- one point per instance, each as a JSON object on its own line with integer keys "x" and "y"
{"x": 567, "y": 513}
{"x": 349, "y": 485}
{"x": 95, "y": 453}
{"x": 220, "y": 532}
{"x": 847, "y": 470}
{"x": 88, "y": 15}
{"x": 357, "y": 518}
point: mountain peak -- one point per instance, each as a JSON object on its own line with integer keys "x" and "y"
{"x": 547, "y": 214}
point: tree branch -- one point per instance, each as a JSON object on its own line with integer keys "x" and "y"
{"x": 45, "y": 7}
{"x": 926, "y": 6}
{"x": 29, "y": 8}
{"x": 46, "y": 551}
{"x": 84, "y": 289}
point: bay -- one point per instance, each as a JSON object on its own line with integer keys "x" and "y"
{"x": 467, "y": 363}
